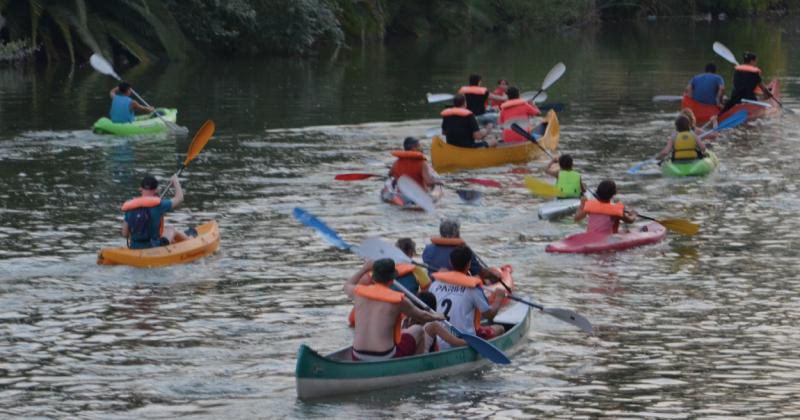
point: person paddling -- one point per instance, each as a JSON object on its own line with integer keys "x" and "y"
{"x": 412, "y": 163}
{"x": 569, "y": 181}
{"x": 461, "y": 128}
{"x": 747, "y": 82}
{"x": 461, "y": 298}
{"x": 707, "y": 88}
{"x": 499, "y": 93}
{"x": 377, "y": 333}
{"x": 123, "y": 107}
{"x": 144, "y": 216}
{"x": 437, "y": 254}
{"x": 516, "y": 109}
{"x": 478, "y": 97}
{"x": 433, "y": 329}
{"x": 684, "y": 144}
{"x": 604, "y": 216}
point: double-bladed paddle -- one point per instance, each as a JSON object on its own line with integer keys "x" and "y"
{"x": 374, "y": 248}
{"x": 667, "y": 98}
{"x": 481, "y": 346}
{"x": 733, "y": 121}
{"x": 101, "y": 65}
{"x": 725, "y": 53}
{"x": 531, "y": 137}
{"x": 199, "y": 141}
{"x": 466, "y": 195}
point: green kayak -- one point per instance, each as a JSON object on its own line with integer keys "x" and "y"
{"x": 697, "y": 167}
{"x": 144, "y": 124}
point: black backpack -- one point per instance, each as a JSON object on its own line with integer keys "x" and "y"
{"x": 139, "y": 222}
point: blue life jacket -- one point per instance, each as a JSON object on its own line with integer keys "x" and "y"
{"x": 121, "y": 109}
{"x": 409, "y": 281}
{"x": 438, "y": 256}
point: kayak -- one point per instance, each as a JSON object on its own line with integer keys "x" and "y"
{"x": 319, "y": 376}
{"x": 389, "y": 194}
{"x": 588, "y": 243}
{"x": 703, "y": 112}
{"x": 205, "y": 243}
{"x": 559, "y": 207}
{"x": 144, "y": 124}
{"x": 504, "y": 272}
{"x": 696, "y": 167}
{"x": 448, "y": 158}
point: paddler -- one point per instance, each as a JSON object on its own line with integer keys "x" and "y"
{"x": 411, "y": 162}
{"x": 707, "y": 88}
{"x": 568, "y": 180}
{"x": 434, "y": 329}
{"x": 499, "y": 92}
{"x": 123, "y": 106}
{"x": 437, "y": 253}
{"x": 747, "y": 82}
{"x": 604, "y": 216}
{"x": 377, "y": 334}
{"x": 684, "y": 144}
{"x": 461, "y": 128}
{"x": 519, "y": 111}
{"x": 478, "y": 97}
{"x": 144, "y": 216}
{"x": 461, "y": 298}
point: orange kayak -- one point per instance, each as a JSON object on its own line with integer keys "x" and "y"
{"x": 704, "y": 112}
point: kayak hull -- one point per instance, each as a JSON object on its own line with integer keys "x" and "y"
{"x": 319, "y": 376}
{"x": 697, "y": 167}
{"x": 205, "y": 243}
{"x": 448, "y": 158}
{"x": 589, "y": 243}
{"x": 704, "y": 112}
{"x": 390, "y": 195}
{"x": 144, "y": 124}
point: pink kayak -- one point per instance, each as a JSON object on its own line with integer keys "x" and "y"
{"x": 587, "y": 243}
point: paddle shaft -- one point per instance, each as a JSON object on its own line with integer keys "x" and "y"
{"x": 178, "y": 174}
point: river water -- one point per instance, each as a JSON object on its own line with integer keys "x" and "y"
{"x": 702, "y": 326}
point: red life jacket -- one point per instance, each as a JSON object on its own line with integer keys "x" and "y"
{"x": 456, "y": 112}
{"x": 410, "y": 164}
{"x": 499, "y": 92}
{"x": 516, "y": 109}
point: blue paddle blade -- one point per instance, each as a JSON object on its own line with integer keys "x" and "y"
{"x": 326, "y": 232}
{"x": 484, "y": 348}
{"x": 732, "y": 121}
{"x": 638, "y": 167}
{"x": 469, "y": 196}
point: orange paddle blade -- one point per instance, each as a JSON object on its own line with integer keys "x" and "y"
{"x": 199, "y": 141}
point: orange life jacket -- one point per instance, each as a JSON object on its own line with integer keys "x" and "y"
{"x": 512, "y": 103}
{"x": 457, "y": 278}
{"x": 438, "y": 240}
{"x": 499, "y": 92}
{"x": 409, "y": 163}
{"x": 456, "y": 112}
{"x": 608, "y": 209}
{"x": 473, "y": 90}
{"x": 147, "y": 202}
{"x": 748, "y": 68}
{"x": 382, "y": 293}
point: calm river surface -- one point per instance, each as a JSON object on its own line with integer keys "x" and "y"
{"x": 702, "y": 326}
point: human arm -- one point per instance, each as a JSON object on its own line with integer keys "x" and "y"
{"x": 113, "y": 92}
{"x": 353, "y": 281}
{"x": 429, "y": 175}
{"x": 136, "y": 106}
{"x": 489, "y": 311}
{"x": 581, "y": 214}
{"x": 665, "y": 151}
{"x": 125, "y": 230}
{"x": 412, "y": 311}
{"x": 177, "y": 199}
{"x": 496, "y": 97}
{"x": 553, "y": 168}
{"x": 629, "y": 216}
{"x": 436, "y": 329}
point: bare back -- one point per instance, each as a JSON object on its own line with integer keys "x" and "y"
{"x": 375, "y": 321}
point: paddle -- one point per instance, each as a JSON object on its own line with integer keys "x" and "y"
{"x": 541, "y": 188}
{"x": 667, "y": 98}
{"x": 733, "y": 121}
{"x": 725, "y": 53}
{"x": 413, "y": 191}
{"x": 374, "y": 248}
{"x": 466, "y": 195}
{"x": 101, "y": 65}
{"x": 552, "y": 76}
{"x": 537, "y": 97}
{"x": 682, "y": 226}
{"x": 199, "y": 141}
{"x": 322, "y": 229}
{"x": 757, "y": 103}
{"x": 524, "y": 133}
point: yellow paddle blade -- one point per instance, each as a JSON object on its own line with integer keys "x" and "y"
{"x": 199, "y": 141}
{"x": 682, "y": 226}
{"x": 541, "y": 188}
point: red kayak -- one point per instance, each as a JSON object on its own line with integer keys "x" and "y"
{"x": 589, "y": 243}
{"x": 703, "y": 112}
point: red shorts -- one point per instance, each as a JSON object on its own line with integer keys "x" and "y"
{"x": 406, "y": 347}
{"x": 485, "y": 332}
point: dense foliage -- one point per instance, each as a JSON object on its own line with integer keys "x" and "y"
{"x": 144, "y": 30}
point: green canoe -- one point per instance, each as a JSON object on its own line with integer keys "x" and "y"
{"x": 697, "y": 167}
{"x": 144, "y": 124}
{"x": 336, "y": 374}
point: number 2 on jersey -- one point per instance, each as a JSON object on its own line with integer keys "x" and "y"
{"x": 447, "y": 304}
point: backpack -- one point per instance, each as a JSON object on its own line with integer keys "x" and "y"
{"x": 139, "y": 223}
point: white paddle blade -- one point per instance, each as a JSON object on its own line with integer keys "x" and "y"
{"x": 101, "y": 65}
{"x": 376, "y": 248}
{"x": 555, "y": 73}
{"x": 439, "y": 97}
{"x": 409, "y": 188}
{"x": 757, "y": 103}
{"x": 435, "y": 131}
{"x": 527, "y": 96}
{"x": 667, "y": 98}
{"x": 725, "y": 53}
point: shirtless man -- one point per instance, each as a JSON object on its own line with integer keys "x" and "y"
{"x": 377, "y": 311}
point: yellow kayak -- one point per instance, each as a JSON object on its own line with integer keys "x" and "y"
{"x": 205, "y": 243}
{"x": 448, "y": 158}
